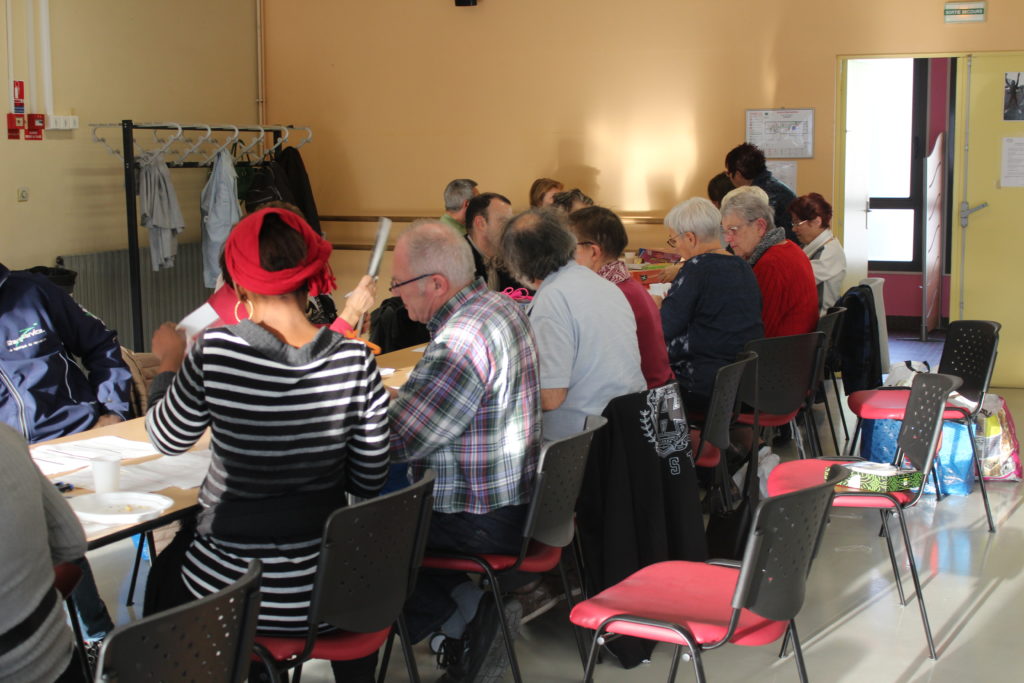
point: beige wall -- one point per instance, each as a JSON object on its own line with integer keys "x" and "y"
{"x": 154, "y": 60}
{"x": 635, "y": 102}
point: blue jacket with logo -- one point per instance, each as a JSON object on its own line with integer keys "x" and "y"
{"x": 43, "y": 392}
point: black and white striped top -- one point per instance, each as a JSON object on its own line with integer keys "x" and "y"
{"x": 284, "y": 421}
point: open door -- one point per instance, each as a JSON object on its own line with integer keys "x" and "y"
{"x": 988, "y": 256}
{"x": 856, "y": 168}
{"x": 933, "y": 227}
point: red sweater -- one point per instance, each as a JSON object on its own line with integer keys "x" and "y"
{"x": 649, "y": 337}
{"x": 789, "y": 297}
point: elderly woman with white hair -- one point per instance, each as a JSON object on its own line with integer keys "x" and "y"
{"x": 713, "y": 307}
{"x": 789, "y": 297}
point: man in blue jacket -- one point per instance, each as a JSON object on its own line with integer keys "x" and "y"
{"x": 43, "y": 392}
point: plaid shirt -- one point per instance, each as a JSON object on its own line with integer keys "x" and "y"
{"x": 470, "y": 409}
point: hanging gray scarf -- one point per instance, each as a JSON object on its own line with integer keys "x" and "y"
{"x": 774, "y": 236}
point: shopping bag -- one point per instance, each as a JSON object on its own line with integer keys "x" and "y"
{"x": 998, "y": 448}
{"x": 955, "y": 465}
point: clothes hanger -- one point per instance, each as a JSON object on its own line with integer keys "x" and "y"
{"x": 228, "y": 142}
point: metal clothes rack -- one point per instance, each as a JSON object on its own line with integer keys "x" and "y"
{"x": 128, "y": 127}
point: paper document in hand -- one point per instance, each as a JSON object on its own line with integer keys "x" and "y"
{"x": 222, "y": 308}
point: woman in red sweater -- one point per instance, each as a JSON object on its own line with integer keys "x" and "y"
{"x": 600, "y": 241}
{"x": 789, "y": 297}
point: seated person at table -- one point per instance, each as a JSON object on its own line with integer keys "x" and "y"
{"x": 543, "y": 191}
{"x": 298, "y": 417}
{"x": 486, "y": 215}
{"x": 571, "y": 200}
{"x": 789, "y": 298}
{"x": 745, "y": 165}
{"x": 457, "y": 194}
{"x": 718, "y": 187}
{"x": 44, "y": 393}
{"x": 39, "y": 531}
{"x": 713, "y": 307}
{"x": 470, "y": 411}
{"x": 811, "y": 216}
{"x": 600, "y": 241}
{"x": 585, "y": 329}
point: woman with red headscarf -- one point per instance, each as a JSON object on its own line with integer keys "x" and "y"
{"x": 298, "y": 417}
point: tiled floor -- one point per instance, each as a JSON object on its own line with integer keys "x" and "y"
{"x": 852, "y": 626}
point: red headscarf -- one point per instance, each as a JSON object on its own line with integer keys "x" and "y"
{"x": 242, "y": 257}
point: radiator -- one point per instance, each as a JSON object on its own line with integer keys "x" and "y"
{"x": 102, "y": 288}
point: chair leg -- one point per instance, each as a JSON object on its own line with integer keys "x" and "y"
{"x": 505, "y": 633}
{"x": 798, "y": 437}
{"x": 798, "y": 653}
{"x": 595, "y": 646}
{"x": 785, "y": 644}
{"x": 852, "y": 443}
{"x": 831, "y": 424}
{"x": 677, "y": 654}
{"x": 76, "y": 628}
{"x": 839, "y": 403}
{"x": 385, "y": 657}
{"x": 917, "y": 584}
{"x": 581, "y": 646}
{"x": 812, "y": 428}
{"x": 410, "y": 658}
{"x": 135, "y": 571}
{"x": 892, "y": 557}
{"x": 981, "y": 477}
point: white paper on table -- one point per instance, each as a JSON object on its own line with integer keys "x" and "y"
{"x": 185, "y": 471}
{"x": 420, "y": 349}
{"x": 385, "y": 372}
{"x": 74, "y": 455}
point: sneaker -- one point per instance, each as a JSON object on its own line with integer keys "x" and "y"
{"x": 486, "y": 659}
{"x": 449, "y": 651}
{"x": 542, "y": 598}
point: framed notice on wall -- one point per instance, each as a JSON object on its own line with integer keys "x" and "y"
{"x": 782, "y": 133}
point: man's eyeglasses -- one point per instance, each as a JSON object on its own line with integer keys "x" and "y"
{"x": 672, "y": 241}
{"x": 396, "y": 285}
{"x": 797, "y": 225}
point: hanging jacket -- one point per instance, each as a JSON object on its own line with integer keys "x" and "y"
{"x": 298, "y": 181}
{"x": 43, "y": 392}
{"x": 860, "y": 359}
{"x": 218, "y": 204}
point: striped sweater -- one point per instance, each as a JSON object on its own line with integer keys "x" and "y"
{"x": 284, "y": 421}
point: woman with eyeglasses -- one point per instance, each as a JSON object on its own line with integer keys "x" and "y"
{"x": 298, "y": 417}
{"x": 713, "y": 307}
{"x": 600, "y": 241}
{"x": 811, "y": 217}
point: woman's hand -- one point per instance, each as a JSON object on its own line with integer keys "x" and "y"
{"x": 169, "y": 347}
{"x": 359, "y": 301}
{"x": 669, "y": 273}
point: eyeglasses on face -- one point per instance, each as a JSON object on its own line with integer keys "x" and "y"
{"x": 672, "y": 242}
{"x": 396, "y": 285}
{"x": 733, "y": 229}
{"x": 584, "y": 243}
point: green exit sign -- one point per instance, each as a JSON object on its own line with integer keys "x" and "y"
{"x": 960, "y": 12}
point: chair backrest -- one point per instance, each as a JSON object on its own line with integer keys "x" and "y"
{"x": 786, "y": 369}
{"x": 784, "y": 540}
{"x": 369, "y": 558}
{"x": 209, "y": 639}
{"x": 557, "y": 486}
{"x": 970, "y": 354}
{"x": 830, "y": 325}
{"x": 922, "y": 422}
{"x": 724, "y": 398}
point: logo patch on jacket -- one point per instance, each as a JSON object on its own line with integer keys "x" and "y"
{"x": 663, "y": 423}
{"x": 27, "y": 337}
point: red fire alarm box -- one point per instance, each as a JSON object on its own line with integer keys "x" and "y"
{"x": 36, "y": 124}
{"x": 15, "y": 124}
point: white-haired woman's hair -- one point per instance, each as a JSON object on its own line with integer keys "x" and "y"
{"x": 696, "y": 215}
{"x": 749, "y": 203}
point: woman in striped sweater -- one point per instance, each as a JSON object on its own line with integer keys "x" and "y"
{"x": 298, "y": 417}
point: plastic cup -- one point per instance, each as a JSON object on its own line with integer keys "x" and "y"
{"x": 106, "y": 473}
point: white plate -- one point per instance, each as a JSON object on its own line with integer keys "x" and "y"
{"x": 119, "y": 507}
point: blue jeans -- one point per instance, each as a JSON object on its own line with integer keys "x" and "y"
{"x": 499, "y": 531}
{"x": 92, "y": 613}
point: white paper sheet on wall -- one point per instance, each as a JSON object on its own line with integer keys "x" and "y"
{"x": 1012, "y": 172}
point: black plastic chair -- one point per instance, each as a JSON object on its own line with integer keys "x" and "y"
{"x": 713, "y": 438}
{"x": 917, "y": 442}
{"x": 830, "y": 324}
{"x": 969, "y": 353}
{"x": 209, "y": 639}
{"x": 548, "y": 529}
{"x": 704, "y": 605}
{"x": 369, "y": 560}
{"x": 787, "y": 370}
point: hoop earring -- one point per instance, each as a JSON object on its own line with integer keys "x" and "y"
{"x": 249, "y": 308}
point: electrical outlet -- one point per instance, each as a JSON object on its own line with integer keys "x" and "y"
{"x": 22, "y": 194}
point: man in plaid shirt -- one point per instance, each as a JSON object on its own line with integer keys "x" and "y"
{"x": 470, "y": 411}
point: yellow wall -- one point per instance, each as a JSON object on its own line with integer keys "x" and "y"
{"x": 635, "y": 102}
{"x": 152, "y": 60}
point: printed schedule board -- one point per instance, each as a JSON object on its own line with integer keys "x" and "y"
{"x": 782, "y": 133}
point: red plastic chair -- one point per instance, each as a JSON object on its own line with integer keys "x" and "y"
{"x": 713, "y": 436}
{"x": 704, "y": 605}
{"x": 369, "y": 560}
{"x": 788, "y": 370}
{"x": 549, "y": 526}
{"x": 918, "y": 441}
{"x": 969, "y": 354}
